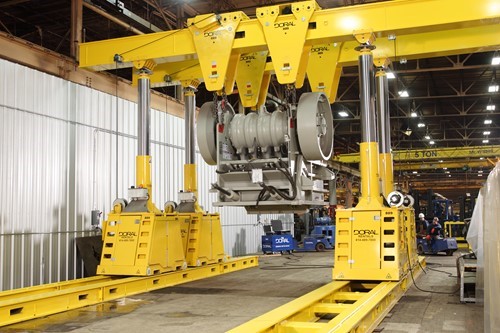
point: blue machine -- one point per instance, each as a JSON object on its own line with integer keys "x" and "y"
{"x": 446, "y": 245}
{"x": 321, "y": 238}
{"x": 278, "y": 243}
{"x": 276, "y": 240}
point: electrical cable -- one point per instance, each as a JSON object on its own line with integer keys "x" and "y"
{"x": 413, "y": 278}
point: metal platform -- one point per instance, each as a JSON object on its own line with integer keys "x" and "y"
{"x": 33, "y": 302}
{"x": 340, "y": 306}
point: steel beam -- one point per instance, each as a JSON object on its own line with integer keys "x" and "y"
{"x": 33, "y": 302}
{"x": 28, "y": 54}
{"x": 431, "y": 154}
{"x": 440, "y": 33}
{"x": 445, "y": 164}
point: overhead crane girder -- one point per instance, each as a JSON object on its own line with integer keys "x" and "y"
{"x": 435, "y": 27}
{"x": 431, "y": 154}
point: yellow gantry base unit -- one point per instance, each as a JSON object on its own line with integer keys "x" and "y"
{"x": 375, "y": 245}
{"x": 142, "y": 244}
{"x": 201, "y": 238}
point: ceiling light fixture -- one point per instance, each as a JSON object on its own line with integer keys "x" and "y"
{"x": 343, "y": 114}
{"x": 415, "y": 172}
{"x": 493, "y": 87}
{"x": 486, "y": 133}
{"x": 431, "y": 142}
{"x": 496, "y": 58}
{"x": 421, "y": 125}
{"x": 487, "y": 121}
{"x": 390, "y": 75}
{"x": 427, "y": 137}
{"x": 486, "y": 141}
{"x": 490, "y": 107}
{"x": 403, "y": 93}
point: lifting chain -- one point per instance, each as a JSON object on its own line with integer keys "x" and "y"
{"x": 290, "y": 97}
{"x": 220, "y": 104}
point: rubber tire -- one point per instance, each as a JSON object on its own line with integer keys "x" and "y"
{"x": 420, "y": 249}
{"x": 449, "y": 252}
{"x": 320, "y": 247}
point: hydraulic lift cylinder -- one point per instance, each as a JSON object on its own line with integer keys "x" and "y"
{"x": 189, "y": 108}
{"x": 144, "y": 114}
{"x": 384, "y": 128}
{"x": 369, "y": 165}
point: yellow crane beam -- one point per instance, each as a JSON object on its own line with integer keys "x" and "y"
{"x": 445, "y": 164}
{"x": 431, "y": 154}
{"x": 451, "y": 27}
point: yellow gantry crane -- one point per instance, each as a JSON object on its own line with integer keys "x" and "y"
{"x": 373, "y": 256}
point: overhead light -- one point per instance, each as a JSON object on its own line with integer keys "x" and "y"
{"x": 343, "y": 114}
{"x": 441, "y": 161}
{"x": 427, "y": 137}
{"x": 431, "y": 142}
{"x": 407, "y": 132}
{"x": 480, "y": 171}
{"x": 449, "y": 175}
{"x": 415, "y": 172}
{"x": 404, "y": 93}
{"x": 487, "y": 121}
{"x": 480, "y": 175}
{"x": 486, "y": 141}
{"x": 413, "y": 114}
{"x": 486, "y": 133}
{"x": 481, "y": 158}
{"x": 490, "y": 107}
{"x": 496, "y": 58}
{"x": 445, "y": 168}
{"x": 421, "y": 125}
{"x": 493, "y": 87}
{"x": 447, "y": 172}
{"x": 390, "y": 75}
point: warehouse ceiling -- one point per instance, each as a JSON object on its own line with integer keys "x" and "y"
{"x": 448, "y": 96}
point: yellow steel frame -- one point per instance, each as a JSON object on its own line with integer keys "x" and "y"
{"x": 291, "y": 37}
{"x": 461, "y": 241}
{"x": 354, "y": 306}
{"x": 445, "y": 164}
{"x": 33, "y": 302}
{"x": 431, "y": 154}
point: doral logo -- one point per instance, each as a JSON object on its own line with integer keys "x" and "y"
{"x": 282, "y": 240}
{"x": 127, "y": 234}
{"x": 212, "y": 33}
{"x": 319, "y": 49}
{"x": 365, "y": 232}
{"x": 284, "y": 24}
{"x": 248, "y": 57}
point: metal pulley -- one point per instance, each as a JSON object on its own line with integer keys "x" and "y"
{"x": 315, "y": 126}
{"x": 205, "y": 133}
{"x": 408, "y": 201}
{"x": 395, "y": 199}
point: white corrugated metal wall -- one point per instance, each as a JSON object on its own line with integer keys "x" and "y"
{"x": 65, "y": 150}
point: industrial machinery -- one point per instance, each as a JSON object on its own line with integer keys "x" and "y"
{"x": 447, "y": 245}
{"x": 274, "y": 161}
{"x": 276, "y": 240}
{"x": 269, "y": 162}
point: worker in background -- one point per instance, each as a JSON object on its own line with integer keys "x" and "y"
{"x": 433, "y": 232}
{"x": 422, "y": 225}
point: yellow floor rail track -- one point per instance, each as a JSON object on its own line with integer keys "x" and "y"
{"x": 33, "y": 302}
{"x": 340, "y": 306}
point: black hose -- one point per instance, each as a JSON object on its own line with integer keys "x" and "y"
{"x": 221, "y": 189}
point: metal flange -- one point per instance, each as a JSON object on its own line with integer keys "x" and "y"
{"x": 315, "y": 126}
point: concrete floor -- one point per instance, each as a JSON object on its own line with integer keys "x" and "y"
{"x": 221, "y": 303}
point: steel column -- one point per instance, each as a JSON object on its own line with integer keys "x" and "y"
{"x": 369, "y": 165}
{"x": 384, "y": 130}
{"x": 189, "y": 109}
{"x": 144, "y": 114}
